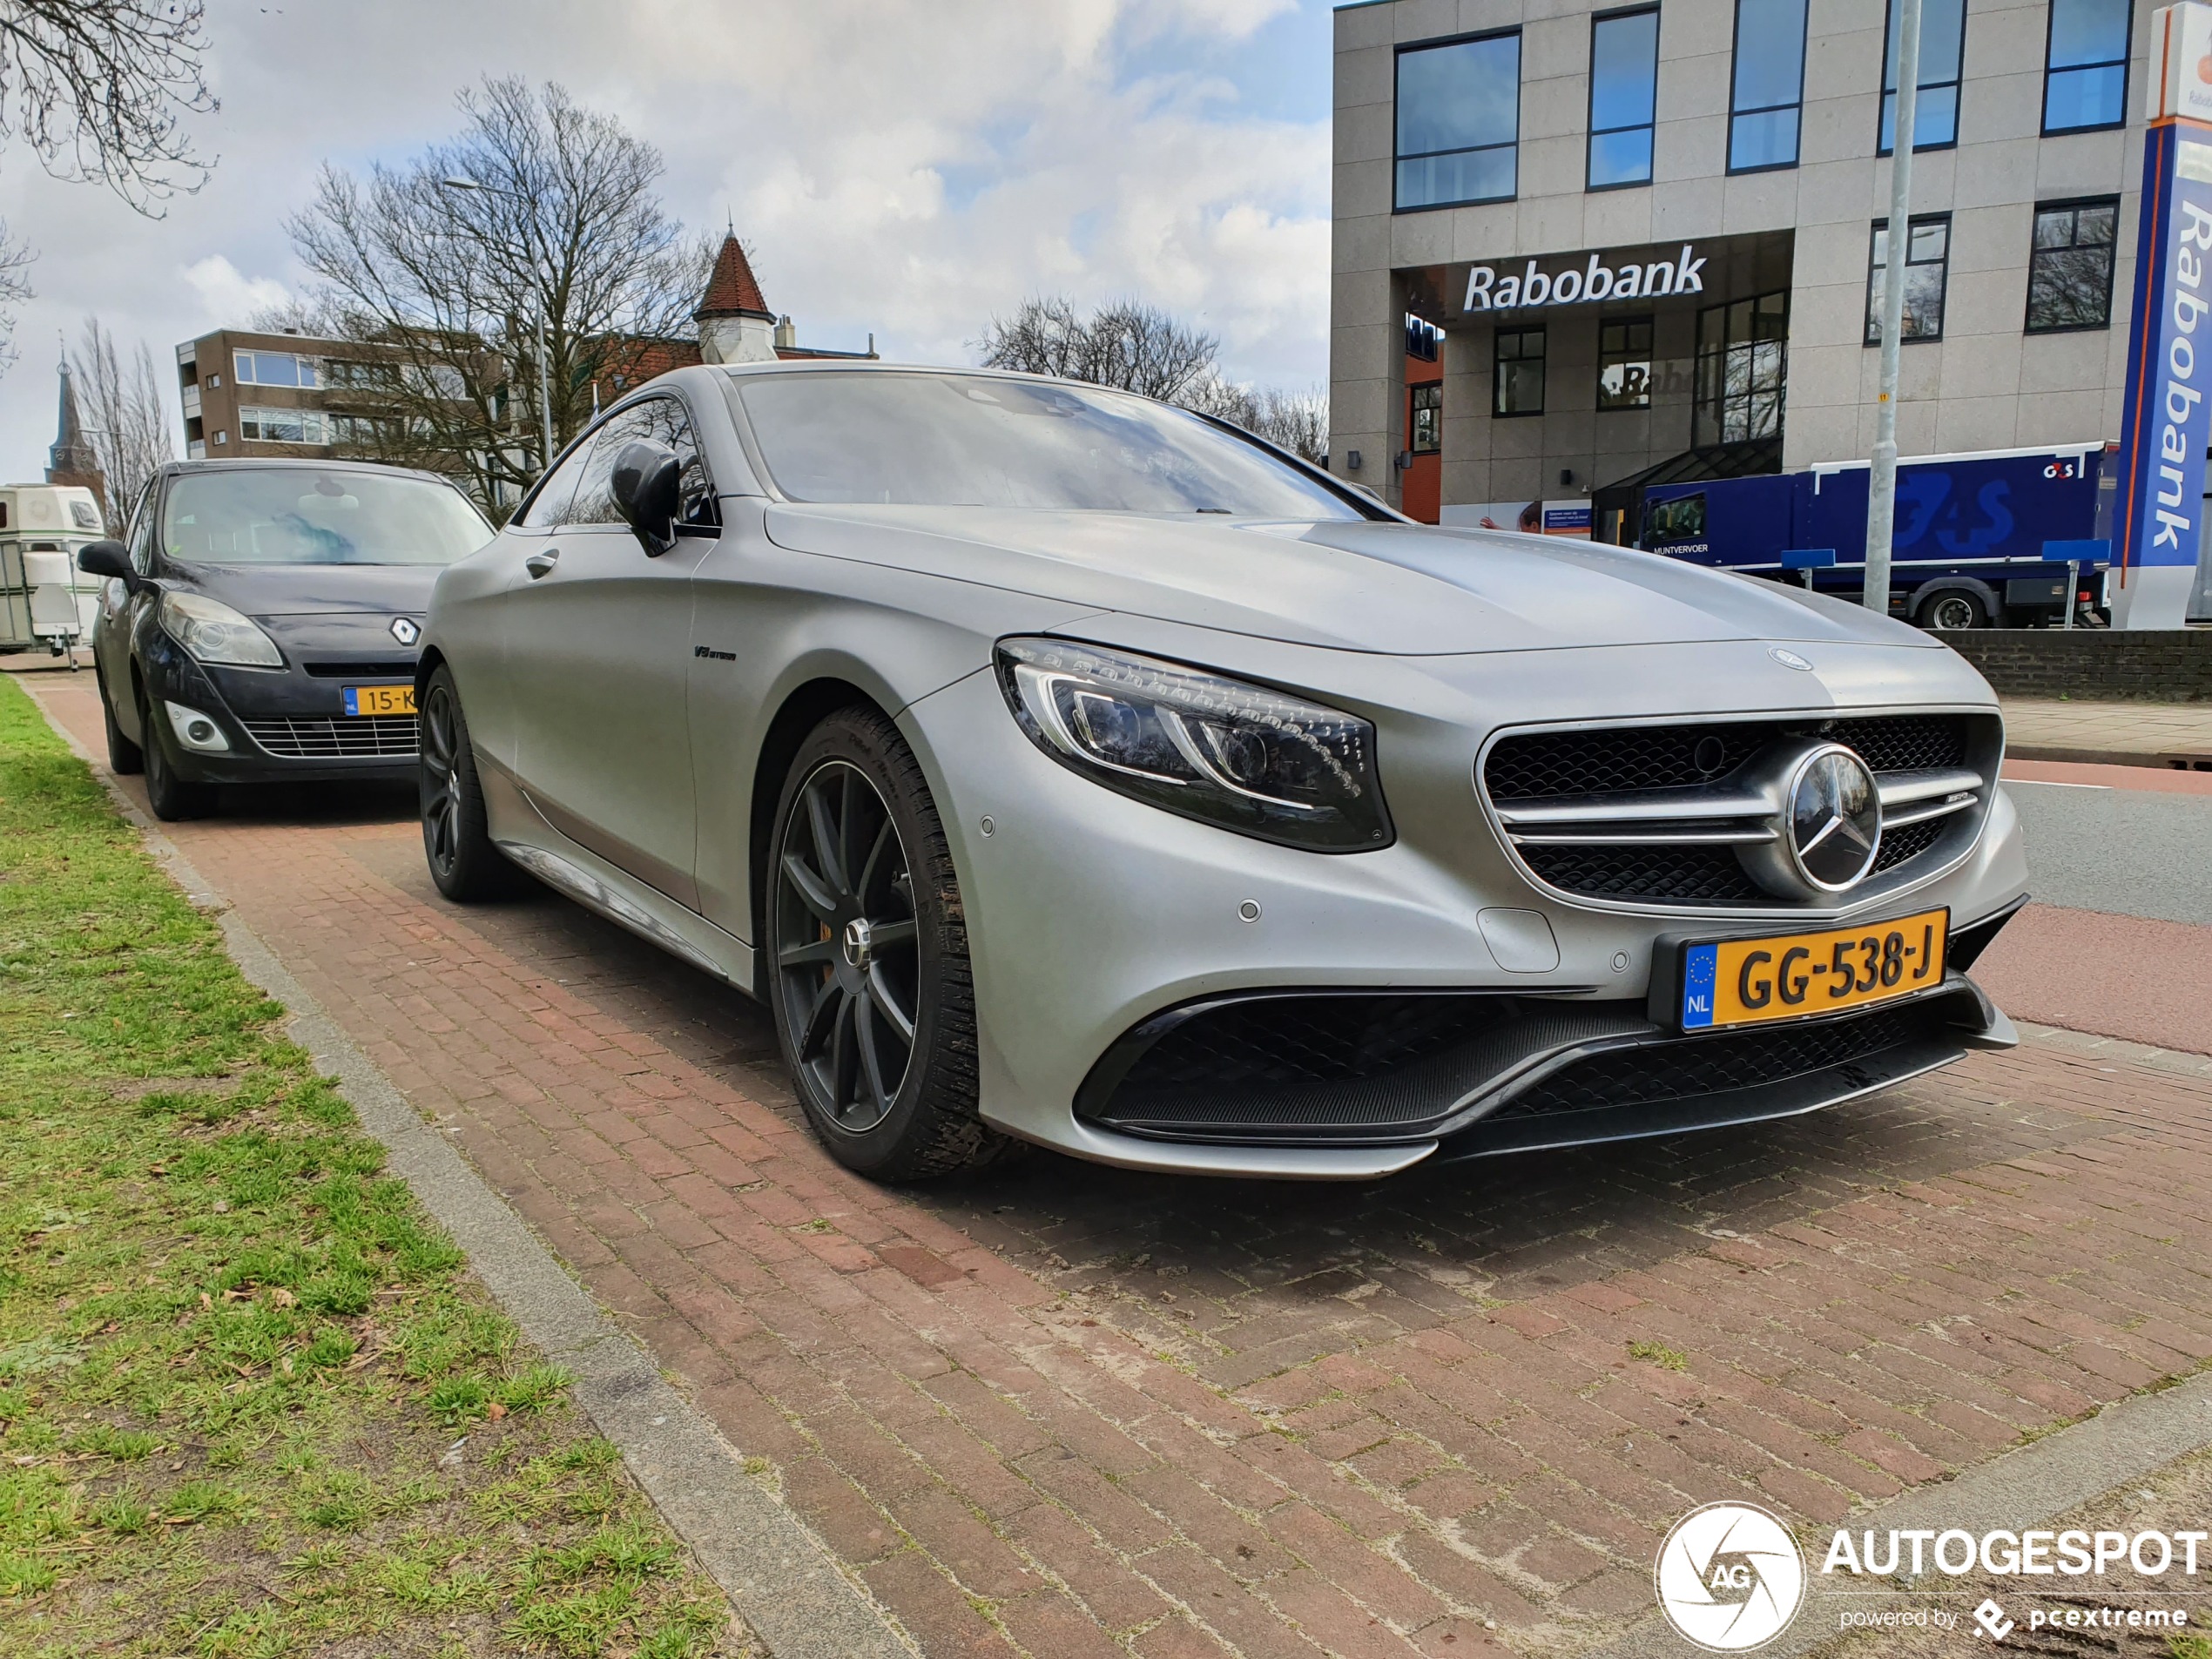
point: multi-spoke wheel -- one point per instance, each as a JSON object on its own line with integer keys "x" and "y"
{"x": 869, "y": 976}
{"x": 463, "y": 861}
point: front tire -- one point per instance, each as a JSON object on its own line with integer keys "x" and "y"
{"x": 172, "y": 798}
{"x": 868, "y": 974}
{"x": 125, "y": 758}
{"x": 457, "y": 841}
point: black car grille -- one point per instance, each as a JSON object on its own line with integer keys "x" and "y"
{"x": 390, "y": 736}
{"x": 1598, "y": 766}
{"x": 1307, "y": 1039}
{"x": 1548, "y": 765}
{"x": 1698, "y": 1067}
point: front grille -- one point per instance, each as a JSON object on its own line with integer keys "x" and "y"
{"x": 321, "y": 738}
{"x": 1676, "y": 816}
{"x": 380, "y": 668}
{"x": 1307, "y": 1039}
{"x": 1698, "y": 1067}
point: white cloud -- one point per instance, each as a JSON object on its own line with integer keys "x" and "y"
{"x": 907, "y": 170}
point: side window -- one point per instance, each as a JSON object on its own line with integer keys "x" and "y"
{"x": 595, "y": 501}
{"x": 547, "y": 507}
{"x": 671, "y": 424}
{"x": 656, "y": 419}
{"x": 142, "y": 530}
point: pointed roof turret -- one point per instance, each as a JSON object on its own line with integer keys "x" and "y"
{"x": 732, "y": 291}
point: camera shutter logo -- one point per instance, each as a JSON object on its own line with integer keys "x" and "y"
{"x": 1730, "y": 1577}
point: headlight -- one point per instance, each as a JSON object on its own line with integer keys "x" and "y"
{"x": 215, "y": 633}
{"x": 1217, "y": 750}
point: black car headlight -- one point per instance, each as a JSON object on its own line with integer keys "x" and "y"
{"x": 1239, "y": 756}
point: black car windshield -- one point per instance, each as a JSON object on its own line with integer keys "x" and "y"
{"x": 952, "y": 439}
{"x": 315, "y": 515}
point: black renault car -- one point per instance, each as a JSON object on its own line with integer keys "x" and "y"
{"x": 260, "y": 625}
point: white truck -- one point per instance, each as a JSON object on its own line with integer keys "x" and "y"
{"x": 46, "y": 602}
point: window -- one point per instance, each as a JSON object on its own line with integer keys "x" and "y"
{"x": 2069, "y": 267}
{"x": 656, "y": 419}
{"x": 1459, "y": 121}
{"x": 1624, "y": 363}
{"x": 1427, "y": 437}
{"x": 1927, "y": 268}
{"x": 1517, "y": 382}
{"x": 1680, "y": 520}
{"x": 272, "y": 368}
{"x": 353, "y": 374}
{"x": 551, "y": 499}
{"x": 1624, "y": 87}
{"x": 1422, "y": 338}
{"x": 283, "y": 426}
{"x": 1769, "y": 84}
{"x": 1743, "y": 368}
{"x": 365, "y": 431}
{"x": 222, "y": 438}
{"x": 1942, "y": 38}
{"x": 2085, "y": 73}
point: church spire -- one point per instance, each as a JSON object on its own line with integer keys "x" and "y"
{"x": 72, "y": 460}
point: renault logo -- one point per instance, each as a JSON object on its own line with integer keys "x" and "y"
{"x": 1834, "y": 824}
{"x": 404, "y": 630}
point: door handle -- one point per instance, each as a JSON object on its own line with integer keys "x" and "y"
{"x": 540, "y": 564}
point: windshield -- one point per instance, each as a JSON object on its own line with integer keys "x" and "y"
{"x": 952, "y": 439}
{"x": 305, "y": 516}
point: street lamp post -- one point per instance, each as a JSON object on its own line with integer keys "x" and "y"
{"x": 1881, "y": 479}
{"x": 544, "y": 361}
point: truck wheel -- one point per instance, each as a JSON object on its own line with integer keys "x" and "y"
{"x": 1952, "y": 609}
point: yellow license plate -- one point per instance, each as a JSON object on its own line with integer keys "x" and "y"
{"x": 1792, "y": 976}
{"x": 379, "y": 699}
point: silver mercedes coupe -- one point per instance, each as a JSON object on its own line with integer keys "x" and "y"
{"x": 1064, "y": 768}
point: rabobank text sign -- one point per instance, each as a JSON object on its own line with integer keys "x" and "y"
{"x": 2168, "y": 420}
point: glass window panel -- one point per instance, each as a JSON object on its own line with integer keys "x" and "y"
{"x": 1620, "y": 158}
{"x": 1770, "y": 53}
{"x": 2087, "y": 31}
{"x": 1428, "y": 416}
{"x": 2085, "y": 98}
{"x": 1470, "y": 176}
{"x": 1459, "y": 97}
{"x": 1926, "y": 271}
{"x": 1935, "y": 124}
{"x": 2070, "y": 268}
{"x": 242, "y": 368}
{"x": 2097, "y": 224}
{"x": 1624, "y": 71}
{"x": 1518, "y": 387}
{"x": 1763, "y": 140}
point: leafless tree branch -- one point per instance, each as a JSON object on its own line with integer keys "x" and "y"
{"x": 99, "y": 89}
{"x": 124, "y": 412}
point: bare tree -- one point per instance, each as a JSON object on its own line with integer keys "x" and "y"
{"x": 444, "y": 268}
{"x": 126, "y": 418}
{"x": 97, "y": 88}
{"x": 1132, "y": 346}
{"x": 1137, "y": 347}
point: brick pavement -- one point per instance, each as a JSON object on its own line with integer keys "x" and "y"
{"x": 1074, "y": 1411}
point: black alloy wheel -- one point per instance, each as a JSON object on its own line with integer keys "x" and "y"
{"x": 174, "y": 798}
{"x": 125, "y": 758}
{"x": 457, "y": 841}
{"x": 870, "y": 979}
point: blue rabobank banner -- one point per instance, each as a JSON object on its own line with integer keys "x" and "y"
{"x": 2167, "y": 421}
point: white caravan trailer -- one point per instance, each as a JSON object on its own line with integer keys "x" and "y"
{"x": 39, "y": 522}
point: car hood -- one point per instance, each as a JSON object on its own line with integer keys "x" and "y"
{"x": 271, "y": 591}
{"x": 1410, "y": 589}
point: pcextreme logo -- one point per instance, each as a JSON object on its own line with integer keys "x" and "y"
{"x": 1730, "y": 1577}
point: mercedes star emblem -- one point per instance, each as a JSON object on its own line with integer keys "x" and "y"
{"x": 1834, "y": 819}
{"x": 1789, "y": 659}
{"x": 405, "y": 631}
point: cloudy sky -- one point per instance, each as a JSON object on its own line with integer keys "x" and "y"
{"x": 906, "y": 168}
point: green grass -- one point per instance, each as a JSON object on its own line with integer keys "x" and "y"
{"x": 251, "y": 1403}
{"x": 1658, "y": 1353}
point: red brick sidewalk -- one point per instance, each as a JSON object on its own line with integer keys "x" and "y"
{"x": 1076, "y": 1411}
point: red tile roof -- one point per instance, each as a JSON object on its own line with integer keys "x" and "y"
{"x": 732, "y": 291}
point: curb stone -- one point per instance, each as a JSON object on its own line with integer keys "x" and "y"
{"x": 781, "y": 1579}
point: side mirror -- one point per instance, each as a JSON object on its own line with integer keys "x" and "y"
{"x": 107, "y": 558}
{"x": 647, "y": 491}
